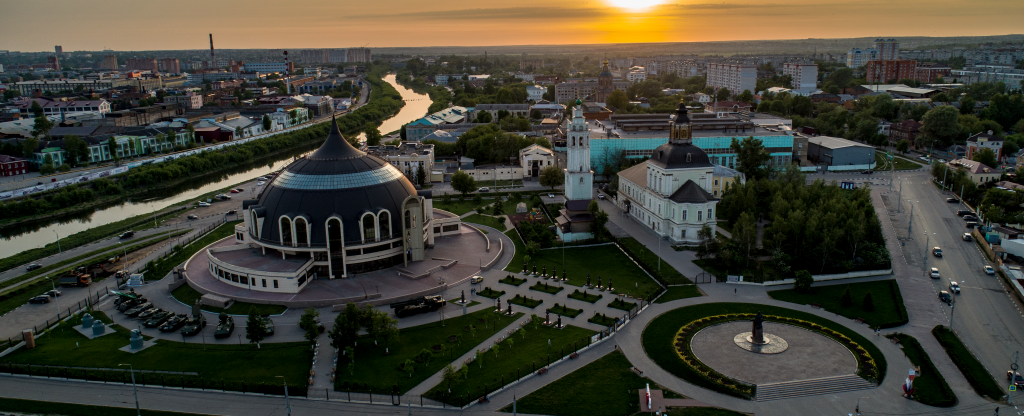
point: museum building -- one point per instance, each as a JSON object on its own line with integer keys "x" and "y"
{"x": 332, "y": 214}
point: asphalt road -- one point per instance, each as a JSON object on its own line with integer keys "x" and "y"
{"x": 986, "y": 315}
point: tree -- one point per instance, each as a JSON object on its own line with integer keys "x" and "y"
{"x": 708, "y": 245}
{"x": 987, "y": 157}
{"x": 421, "y": 175}
{"x": 483, "y": 117}
{"x": 346, "y": 326}
{"x": 28, "y": 147}
{"x": 744, "y": 235}
{"x": 408, "y": 367}
{"x": 373, "y": 135}
{"x": 941, "y": 124}
{"x": 112, "y": 148}
{"x": 551, "y": 177}
{"x": 267, "y": 124}
{"x": 36, "y": 109}
{"x": 463, "y": 183}
{"x": 309, "y": 323}
{"x": 450, "y": 375}
{"x": 255, "y": 327}
{"x": 753, "y": 158}
{"x": 803, "y": 281}
{"x": 42, "y": 126}
{"x": 536, "y": 114}
{"x": 846, "y": 300}
{"x": 869, "y": 303}
{"x": 723, "y": 94}
{"x": 47, "y": 168}
{"x": 745, "y": 96}
{"x": 902, "y": 146}
{"x": 618, "y": 99}
{"x": 64, "y": 167}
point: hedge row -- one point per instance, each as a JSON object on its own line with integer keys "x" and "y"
{"x": 972, "y": 369}
{"x": 930, "y": 387}
{"x": 894, "y": 289}
{"x": 648, "y": 259}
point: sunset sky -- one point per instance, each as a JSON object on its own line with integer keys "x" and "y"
{"x": 184, "y": 24}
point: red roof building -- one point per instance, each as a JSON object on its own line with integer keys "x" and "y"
{"x": 10, "y": 166}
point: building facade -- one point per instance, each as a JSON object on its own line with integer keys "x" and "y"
{"x": 734, "y": 77}
{"x": 805, "y": 76}
{"x": 574, "y": 220}
{"x": 985, "y": 140}
{"x": 883, "y": 71}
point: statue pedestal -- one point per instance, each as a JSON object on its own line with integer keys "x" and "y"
{"x": 773, "y": 344}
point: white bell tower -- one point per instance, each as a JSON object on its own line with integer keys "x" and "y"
{"x": 579, "y": 179}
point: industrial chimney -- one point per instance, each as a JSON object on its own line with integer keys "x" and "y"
{"x": 213, "y": 56}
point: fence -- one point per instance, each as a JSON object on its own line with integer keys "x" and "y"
{"x": 48, "y": 323}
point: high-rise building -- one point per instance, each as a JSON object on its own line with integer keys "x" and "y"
{"x": 857, "y": 58}
{"x": 53, "y": 63}
{"x": 888, "y": 49}
{"x": 734, "y": 77}
{"x": 805, "y": 76}
{"x": 141, "y": 64}
{"x": 59, "y": 49}
{"x": 110, "y": 62}
{"x": 359, "y": 55}
{"x": 882, "y": 71}
{"x": 170, "y": 65}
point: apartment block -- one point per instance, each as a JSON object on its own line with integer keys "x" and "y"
{"x": 805, "y": 76}
{"x": 888, "y": 49}
{"x": 735, "y": 77}
{"x": 883, "y": 71}
{"x": 170, "y": 65}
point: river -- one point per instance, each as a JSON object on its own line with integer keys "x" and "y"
{"x": 15, "y": 240}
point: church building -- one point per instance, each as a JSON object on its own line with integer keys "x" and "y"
{"x": 574, "y": 219}
{"x": 671, "y": 192}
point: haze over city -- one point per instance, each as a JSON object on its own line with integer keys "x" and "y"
{"x": 243, "y": 24}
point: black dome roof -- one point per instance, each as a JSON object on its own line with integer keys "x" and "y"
{"x": 605, "y": 72}
{"x": 335, "y": 180}
{"x": 680, "y": 155}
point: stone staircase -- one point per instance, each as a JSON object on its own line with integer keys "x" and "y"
{"x": 812, "y": 387}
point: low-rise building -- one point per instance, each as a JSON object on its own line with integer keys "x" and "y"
{"x": 11, "y": 166}
{"x": 56, "y": 107}
{"x": 905, "y": 130}
{"x": 534, "y": 158}
{"x": 516, "y": 110}
{"x": 425, "y": 126}
{"x": 535, "y": 92}
{"x": 840, "y": 154}
{"x": 189, "y": 101}
{"x": 976, "y": 171}
{"x": 408, "y": 157}
{"x": 985, "y": 140}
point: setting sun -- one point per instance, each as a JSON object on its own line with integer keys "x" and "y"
{"x": 635, "y": 4}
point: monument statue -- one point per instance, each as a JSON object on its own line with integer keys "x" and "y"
{"x": 463, "y": 296}
{"x": 757, "y": 333}
{"x": 588, "y": 279}
{"x": 499, "y": 304}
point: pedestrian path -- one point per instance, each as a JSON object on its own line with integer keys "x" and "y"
{"x": 324, "y": 363}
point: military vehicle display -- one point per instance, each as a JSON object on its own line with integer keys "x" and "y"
{"x": 135, "y": 311}
{"x": 417, "y": 306}
{"x": 146, "y": 314}
{"x": 267, "y": 323}
{"x": 225, "y": 327}
{"x": 174, "y": 322}
{"x": 158, "y": 319}
{"x": 194, "y": 326}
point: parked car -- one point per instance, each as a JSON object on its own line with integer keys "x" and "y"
{"x": 53, "y": 293}
{"x": 989, "y": 270}
{"x": 551, "y": 195}
{"x": 867, "y": 172}
{"x": 127, "y": 234}
{"x": 971, "y": 224}
{"x": 484, "y": 189}
{"x": 934, "y": 273}
{"x": 963, "y": 212}
{"x": 600, "y": 196}
{"x": 954, "y": 287}
{"x": 946, "y": 297}
{"x": 937, "y": 252}
{"x": 204, "y": 204}
{"x": 40, "y": 299}
{"x": 476, "y": 279}
{"x": 967, "y": 237}
{"x": 193, "y": 217}
{"x": 970, "y": 217}
{"x": 33, "y": 266}
{"x": 235, "y": 191}
{"x": 952, "y": 200}
{"x": 232, "y": 212}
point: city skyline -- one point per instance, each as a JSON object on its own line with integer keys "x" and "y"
{"x": 249, "y": 25}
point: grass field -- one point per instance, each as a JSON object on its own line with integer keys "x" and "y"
{"x": 654, "y": 265}
{"x": 525, "y": 301}
{"x": 161, "y": 267}
{"x": 526, "y": 352}
{"x": 975, "y": 373}
{"x": 490, "y": 293}
{"x": 187, "y": 295}
{"x": 659, "y": 335}
{"x": 512, "y": 280}
{"x": 376, "y": 370}
{"x": 213, "y": 362}
{"x": 564, "y": 311}
{"x": 679, "y": 292}
{"x": 606, "y": 261}
{"x": 930, "y": 388}
{"x": 546, "y": 288}
{"x": 585, "y": 296}
{"x": 603, "y": 320}
{"x": 901, "y": 163}
{"x": 622, "y": 305}
{"x": 888, "y": 310}
{"x": 51, "y": 408}
{"x": 456, "y": 207}
{"x": 485, "y": 220}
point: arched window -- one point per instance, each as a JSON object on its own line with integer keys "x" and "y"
{"x": 334, "y": 233}
{"x": 301, "y": 231}
{"x": 286, "y": 231}
{"x": 369, "y": 229}
{"x": 384, "y": 221}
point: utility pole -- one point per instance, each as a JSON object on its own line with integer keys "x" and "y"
{"x": 287, "y": 404}
{"x": 927, "y": 239}
{"x": 910, "y": 223}
{"x": 900, "y": 203}
{"x": 1013, "y": 375}
{"x": 952, "y": 308}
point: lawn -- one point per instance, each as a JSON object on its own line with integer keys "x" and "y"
{"x": 679, "y": 292}
{"x": 159, "y": 268}
{"x": 606, "y": 261}
{"x": 512, "y": 280}
{"x": 485, "y": 220}
{"x": 622, "y": 305}
{"x": 605, "y": 387}
{"x": 702, "y": 411}
{"x": 525, "y": 301}
{"x": 187, "y": 295}
{"x": 565, "y": 311}
{"x": 490, "y": 293}
{"x": 901, "y": 163}
{"x": 975, "y": 373}
{"x": 516, "y": 265}
{"x": 658, "y": 268}
{"x": 231, "y": 363}
{"x": 930, "y": 388}
{"x": 584, "y": 296}
{"x": 659, "y": 336}
{"x": 602, "y": 319}
{"x": 51, "y": 408}
{"x": 379, "y": 371}
{"x": 528, "y": 351}
{"x": 888, "y": 312}
{"x": 456, "y": 207}
{"x": 546, "y": 288}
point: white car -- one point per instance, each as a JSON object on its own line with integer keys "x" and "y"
{"x": 551, "y": 195}
{"x": 954, "y": 287}
{"x": 484, "y": 189}
{"x": 989, "y": 270}
{"x": 934, "y": 273}
{"x": 204, "y": 204}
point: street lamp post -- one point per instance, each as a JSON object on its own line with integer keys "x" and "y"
{"x": 125, "y": 256}
{"x": 134, "y": 387}
{"x": 59, "y": 251}
{"x": 287, "y": 404}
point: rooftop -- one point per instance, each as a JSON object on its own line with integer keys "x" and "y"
{"x": 834, "y": 142}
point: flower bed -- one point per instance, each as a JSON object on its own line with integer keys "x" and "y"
{"x": 490, "y": 293}
{"x": 546, "y": 288}
{"x": 525, "y": 301}
{"x": 602, "y": 319}
{"x": 622, "y": 305}
{"x": 565, "y": 311}
{"x": 584, "y": 296}
{"x": 512, "y": 280}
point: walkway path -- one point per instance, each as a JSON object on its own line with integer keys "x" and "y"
{"x": 681, "y": 260}
{"x": 325, "y": 361}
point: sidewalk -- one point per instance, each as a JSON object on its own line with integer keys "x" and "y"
{"x": 681, "y": 260}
